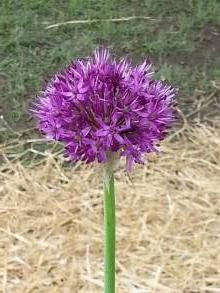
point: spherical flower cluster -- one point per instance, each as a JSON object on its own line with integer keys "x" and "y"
{"x": 97, "y": 106}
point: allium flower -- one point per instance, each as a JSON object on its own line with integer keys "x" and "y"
{"x": 97, "y": 106}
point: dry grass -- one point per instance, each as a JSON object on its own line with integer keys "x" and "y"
{"x": 168, "y": 223}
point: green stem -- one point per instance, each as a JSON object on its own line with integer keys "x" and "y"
{"x": 109, "y": 233}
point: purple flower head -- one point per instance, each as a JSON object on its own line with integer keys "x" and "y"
{"x": 98, "y": 105}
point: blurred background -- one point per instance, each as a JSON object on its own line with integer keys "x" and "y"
{"x": 182, "y": 39}
{"x": 168, "y": 211}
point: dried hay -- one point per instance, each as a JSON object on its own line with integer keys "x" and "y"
{"x": 168, "y": 223}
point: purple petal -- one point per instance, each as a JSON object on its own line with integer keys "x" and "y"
{"x": 98, "y": 105}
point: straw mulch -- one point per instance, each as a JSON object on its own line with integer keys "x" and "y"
{"x": 168, "y": 222}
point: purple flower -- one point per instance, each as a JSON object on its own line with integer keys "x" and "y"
{"x": 98, "y": 105}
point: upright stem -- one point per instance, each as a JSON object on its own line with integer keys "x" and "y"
{"x": 109, "y": 233}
